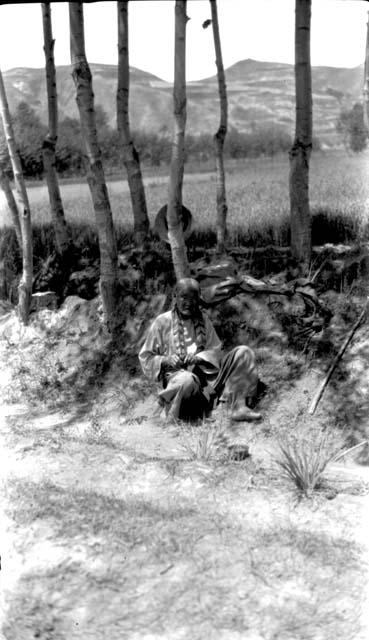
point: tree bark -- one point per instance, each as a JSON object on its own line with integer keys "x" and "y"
{"x": 220, "y": 135}
{"x": 175, "y": 231}
{"x": 5, "y": 185}
{"x": 301, "y": 149}
{"x": 49, "y": 145}
{"x": 95, "y": 173}
{"x": 141, "y": 225}
{"x": 25, "y": 285}
{"x": 366, "y": 78}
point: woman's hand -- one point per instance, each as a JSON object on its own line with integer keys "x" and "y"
{"x": 172, "y": 362}
{"x": 190, "y": 360}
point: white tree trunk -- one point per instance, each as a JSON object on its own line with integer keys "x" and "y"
{"x": 366, "y": 78}
{"x": 175, "y": 231}
{"x": 301, "y": 149}
{"x": 130, "y": 154}
{"x": 11, "y": 202}
{"x": 49, "y": 145}
{"x": 95, "y": 172}
{"x": 220, "y": 135}
{"x": 25, "y": 285}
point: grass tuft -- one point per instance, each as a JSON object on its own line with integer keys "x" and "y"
{"x": 304, "y": 461}
{"x": 203, "y": 443}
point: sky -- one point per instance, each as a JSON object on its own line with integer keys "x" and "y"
{"x": 258, "y": 29}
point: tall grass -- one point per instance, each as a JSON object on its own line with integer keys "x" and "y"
{"x": 257, "y": 194}
{"x": 258, "y": 202}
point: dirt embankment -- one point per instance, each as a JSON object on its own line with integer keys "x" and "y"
{"x": 119, "y": 525}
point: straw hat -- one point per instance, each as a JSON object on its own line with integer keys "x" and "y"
{"x": 161, "y": 225}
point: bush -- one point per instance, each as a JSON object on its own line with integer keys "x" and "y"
{"x": 69, "y": 156}
{"x": 351, "y": 126}
{"x": 267, "y": 140}
{"x": 29, "y": 134}
{"x": 153, "y": 148}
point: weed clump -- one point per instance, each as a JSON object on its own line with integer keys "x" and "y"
{"x": 304, "y": 459}
{"x": 204, "y": 443}
{"x": 304, "y": 462}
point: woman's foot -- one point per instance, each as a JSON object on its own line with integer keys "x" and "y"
{"x": 244, "y": 414}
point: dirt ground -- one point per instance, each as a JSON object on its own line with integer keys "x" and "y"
{"x": 113, "y": 528}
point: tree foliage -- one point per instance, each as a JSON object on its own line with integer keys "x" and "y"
{"x": 29, "y": 133}
{"x": 154, "y": 148}
{"x": 351, "y": 126}
{"x": 69, "y": 155}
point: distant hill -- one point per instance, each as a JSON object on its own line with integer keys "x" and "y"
{"x": 259, "y": 94}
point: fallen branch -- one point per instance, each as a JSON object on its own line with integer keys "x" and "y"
{"x": 270, "y": 248}
{"x": 231, "y": 286}
{"x": 335, "y": 362}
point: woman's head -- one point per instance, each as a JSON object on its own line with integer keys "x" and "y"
{"x": 187, "y": 294}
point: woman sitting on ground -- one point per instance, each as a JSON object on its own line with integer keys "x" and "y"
{"x": 183, "y": 352}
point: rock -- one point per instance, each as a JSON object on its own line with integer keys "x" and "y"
{"x": 84, "y": 282}
{"x": 43, "y": 300}
{"x": 239, "y": 452}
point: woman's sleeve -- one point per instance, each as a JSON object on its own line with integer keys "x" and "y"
{"x": 212, "y": 338}
{"x": 152, "y": 352}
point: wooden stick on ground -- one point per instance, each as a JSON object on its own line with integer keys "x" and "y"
{"x": 350, "y": 450}
{"x": 338, "y": 357}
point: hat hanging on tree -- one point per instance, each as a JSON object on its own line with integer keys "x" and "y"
{"x": 161, "y": 224}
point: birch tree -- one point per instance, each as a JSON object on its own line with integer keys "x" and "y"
{"x": 49, "y": 144}
{"x": 12, "y": 205}
{"x": 130, "y": 154}
{"x": 301, "y": 149}
{"x": 220, "y": 135}
{"x": 175, "y": 231}
{"x": 366, "y": 79}
{"x": 95, "y": 173}
{"x": 25, "y": 284}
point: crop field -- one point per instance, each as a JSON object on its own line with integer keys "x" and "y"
{"x": 257, "y": 193}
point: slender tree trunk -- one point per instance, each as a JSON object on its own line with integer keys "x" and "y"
{"x": 95, "y": 172}
{"x": 3, "y": 282}
{"x": 5, "y": 185}
{"x": 130, "y": 154}
{"x": 175, "y": 231}
{"x": 366, "y": 78}
{"x": 220, "y": 135}
{"x": 25, "y": 285}
{"x": 49, "y": 145}
{"x": 301, "y": 149}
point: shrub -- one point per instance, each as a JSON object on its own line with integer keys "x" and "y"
{"x": 351, "y": 126}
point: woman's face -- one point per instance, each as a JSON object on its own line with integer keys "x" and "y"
{"x": 187, "y": 303}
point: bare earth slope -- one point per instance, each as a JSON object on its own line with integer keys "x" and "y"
{"x": 259, "y": 93}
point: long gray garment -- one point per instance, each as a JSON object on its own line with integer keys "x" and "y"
{"x": 190, "y": 393}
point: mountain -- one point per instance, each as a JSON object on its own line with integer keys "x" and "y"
{"x": 259, "y": 94}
